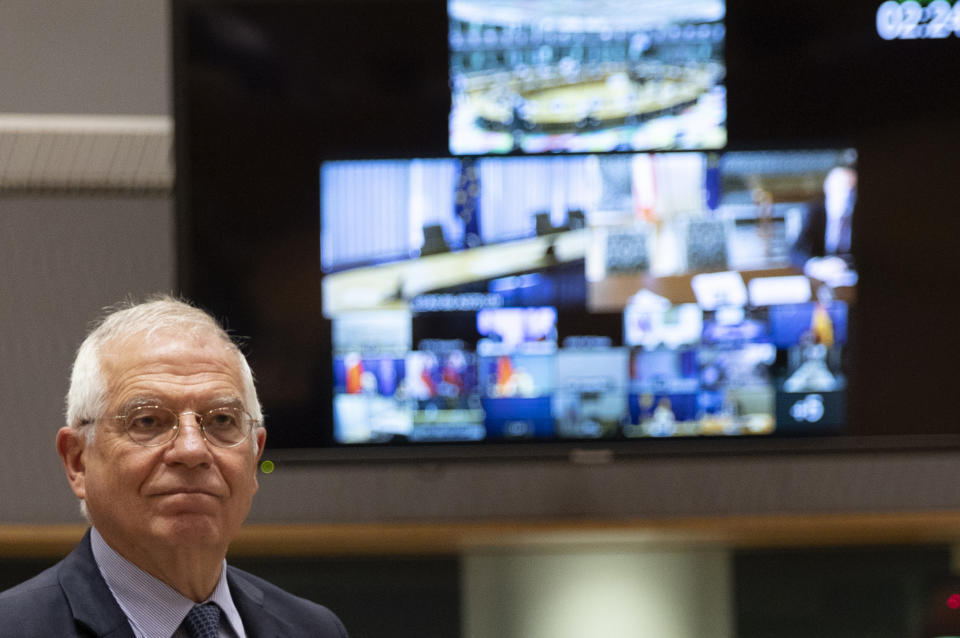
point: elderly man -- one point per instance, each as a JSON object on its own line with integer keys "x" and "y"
{"x": 161, "y": 446}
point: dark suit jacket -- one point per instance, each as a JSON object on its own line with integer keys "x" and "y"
{"x": 71, "y": 599}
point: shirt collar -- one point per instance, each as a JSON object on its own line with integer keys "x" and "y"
{"x": 154, "y": 609}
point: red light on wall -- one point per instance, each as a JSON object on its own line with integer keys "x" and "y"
{"x": 953, "y": 601}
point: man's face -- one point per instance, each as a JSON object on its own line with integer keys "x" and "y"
{"x": 186, "y": 492}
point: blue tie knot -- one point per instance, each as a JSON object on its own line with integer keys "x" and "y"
{"x": 203, "y": 621}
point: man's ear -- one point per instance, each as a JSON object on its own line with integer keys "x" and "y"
{"x": 71, "y": 444}
{"x": 261, "y": 434}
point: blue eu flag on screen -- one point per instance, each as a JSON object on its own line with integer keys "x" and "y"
{"x": 467, "y": 201}
{"x": 712, "y": 183}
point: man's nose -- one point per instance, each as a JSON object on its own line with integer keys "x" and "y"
{"x": 190, "y": 422}
{"x": 190, "y": 446}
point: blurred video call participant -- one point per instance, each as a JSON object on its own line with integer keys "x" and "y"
{"x": 822, "y": 247}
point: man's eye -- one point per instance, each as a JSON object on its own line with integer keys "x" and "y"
{"x": 221, "y": 420}
{"x": 146, "y": 422}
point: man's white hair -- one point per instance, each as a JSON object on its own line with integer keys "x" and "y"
{"x": 87, "y": 398}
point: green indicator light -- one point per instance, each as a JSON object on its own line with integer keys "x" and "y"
{"x": 267, "y": 467}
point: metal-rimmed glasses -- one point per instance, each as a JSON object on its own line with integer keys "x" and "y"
{"x": 154, "y": 425}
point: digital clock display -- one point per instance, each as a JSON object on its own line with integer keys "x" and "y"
{"x": 911, "y": 20}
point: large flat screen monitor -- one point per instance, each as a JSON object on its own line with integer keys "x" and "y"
{"x": 462, "y": 228}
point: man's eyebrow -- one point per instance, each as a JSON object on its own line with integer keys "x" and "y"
{"x": 139, "y": 401}
{"x": 228, "y": 401}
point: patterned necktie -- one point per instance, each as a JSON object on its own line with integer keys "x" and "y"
{"x": 203, "y": 621}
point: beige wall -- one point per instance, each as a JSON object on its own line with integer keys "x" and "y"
{"x": 93, "y": 56}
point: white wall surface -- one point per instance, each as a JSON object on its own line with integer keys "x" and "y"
{"x": 613, "y": 594}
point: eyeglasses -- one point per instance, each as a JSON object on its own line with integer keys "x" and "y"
{"x": 153, "y": 425}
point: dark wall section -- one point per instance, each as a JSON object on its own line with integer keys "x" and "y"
{"x": 405, "y": 597}
{"x": 835, "y": 593}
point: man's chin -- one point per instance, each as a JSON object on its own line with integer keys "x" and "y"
{"x": 189, "y": 528}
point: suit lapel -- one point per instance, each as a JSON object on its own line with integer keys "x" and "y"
{"x": 258, "y": 622}
{"x": 90, "y": 600}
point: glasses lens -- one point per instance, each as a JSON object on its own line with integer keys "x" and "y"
{"x": 151, "y": 425}
{"x": 225, "y": 426}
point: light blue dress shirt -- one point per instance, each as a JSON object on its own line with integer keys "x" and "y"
{"x": 154, "y": 609}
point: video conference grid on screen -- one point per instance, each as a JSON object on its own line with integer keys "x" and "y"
{"x": 588, "y": 296}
